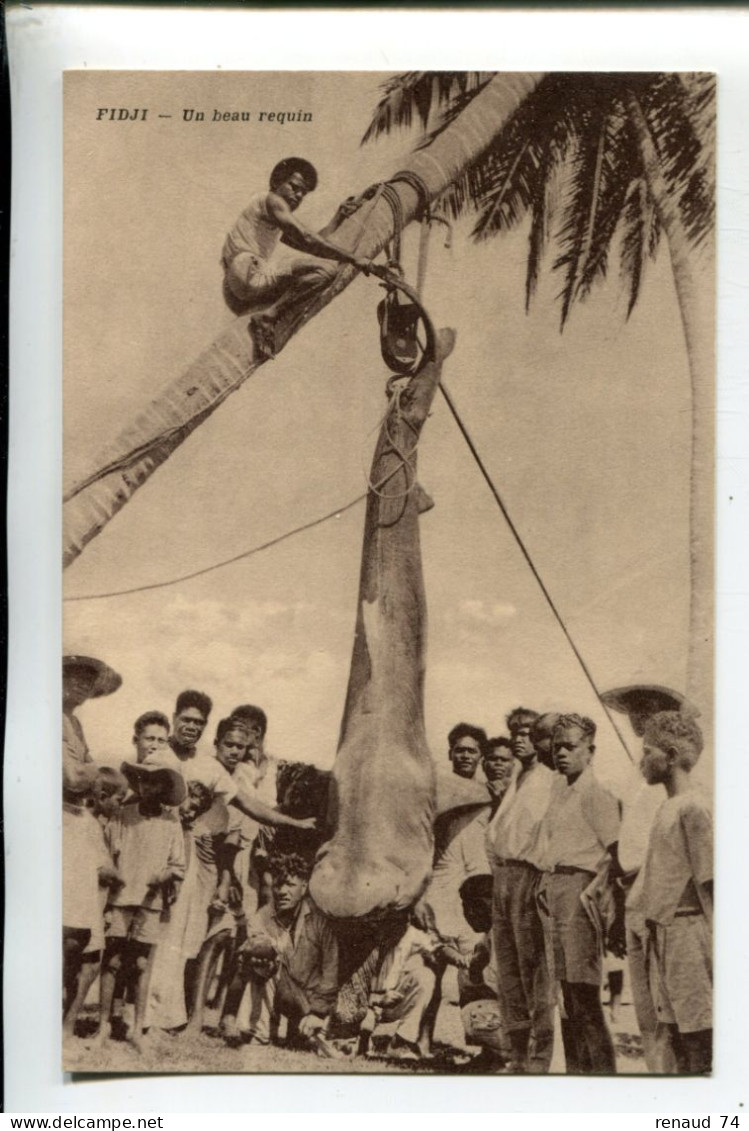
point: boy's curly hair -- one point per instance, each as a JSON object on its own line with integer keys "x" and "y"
{"x": 544, "y": 726}
{"x": 520, "y": 715}
{"x": 674, "y": 729}
{"x": 285, "y": 865}
{"x": 468, "y": 730}
{"x": 197, "y": 699}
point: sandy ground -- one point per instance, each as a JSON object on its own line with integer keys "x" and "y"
{"x": 166, "y": 1054}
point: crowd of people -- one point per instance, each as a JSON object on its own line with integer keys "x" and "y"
{"x": 186, "y": 875}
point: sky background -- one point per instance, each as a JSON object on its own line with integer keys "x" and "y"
{"x": 586, "y": 435}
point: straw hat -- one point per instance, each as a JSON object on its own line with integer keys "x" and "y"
{"x": 105, "y": 679}
{"x": 641, "y": 700}
{"x": 173, "y": 784}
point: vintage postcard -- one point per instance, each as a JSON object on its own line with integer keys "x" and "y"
{"x": 388, "y": 572}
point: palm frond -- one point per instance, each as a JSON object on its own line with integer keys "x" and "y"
{"x": 414, "y": 96}
{"x": 580, "y": 208}
{"x": 700, "y": 91}
{"x": 468, "y": 191}
{"x": 542, "y": 208}
{"x": 654, "y": 234}
{"x": 561, "y": 118}
{"x": 456, "y": 104}
{"x": 501, "y": 180}
{"x": 506, "y": 204}
{"x": 620, "y": 166}
{"x": 636, "y": 238}
{"x": 483, "y": 177}
{"x": 680, "y": 112}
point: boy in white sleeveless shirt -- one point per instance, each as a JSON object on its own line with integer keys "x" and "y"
{"x": 253, "y": 275}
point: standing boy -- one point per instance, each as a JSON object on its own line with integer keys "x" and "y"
{"x": 87, "y": 867}
{"x": 188, "y": 723}
{"x": 466, "y": 747}
{"x": 191, "y": 713}
{"x": 150, "y": 735}
{"x": 498, "y": 765}
{"x": 677, "y": 892}
{"x": 513, "y": 849}
{"x": 185, "y": 932}
{"x": 147, "y": 846}
{"x": 582, "y": 830}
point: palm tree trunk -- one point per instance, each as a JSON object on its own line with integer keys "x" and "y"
{"x": 691, "y": 266}
{"x": 184, "y": 404}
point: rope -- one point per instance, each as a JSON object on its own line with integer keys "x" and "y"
{"x": 375, "y": 487}
{"x": 405, "y": 464}
{"x": 374, "y": 193}
{"x": 219, "y": 565}
{"x": 529, "y": 561}
{"x": 135, "y": 455}
{"x": 421, "y": 188}
{"x": 391, "y": 196}
{"x": 428, "y": 351}
{"x": 421, "y": 270}
{"x": 122, "y": 463}
{"x": 418, "y": 184}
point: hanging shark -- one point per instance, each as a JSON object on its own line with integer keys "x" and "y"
{"x": 378, "y": 859}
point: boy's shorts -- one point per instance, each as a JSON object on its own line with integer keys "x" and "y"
{"x": 680, "y": 971}
{"x": 250, "y": 279}
{"x": 575, "y": 951}
{"x": 137, "y": 924}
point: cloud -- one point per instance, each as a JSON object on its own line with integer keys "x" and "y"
{"x": 482, "y": 612}
{"x": 292, "y": 657}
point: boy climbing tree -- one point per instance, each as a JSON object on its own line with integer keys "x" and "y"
{"x": 254, "y": 275}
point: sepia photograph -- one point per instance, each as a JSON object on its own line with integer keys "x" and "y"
{"x": 388, "y": 583}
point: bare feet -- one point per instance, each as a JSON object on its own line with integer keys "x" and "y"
{"x": 262, "y": 332}
{"x": 403, "y": 1050}
{"x": 139, "y": 1041}
{"x": 230, "y": 1032}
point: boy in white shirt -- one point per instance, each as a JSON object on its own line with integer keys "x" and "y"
{"x": 87, "y": 867}
{"x": 253, "y": 276}
{"x": 581, "y": 834}
{"x": 147, "y": 846}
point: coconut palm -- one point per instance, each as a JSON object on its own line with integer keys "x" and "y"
{"x": 599, "y": 162}
{"x": 500, "y": 144}
{"x": 183, "y": 404}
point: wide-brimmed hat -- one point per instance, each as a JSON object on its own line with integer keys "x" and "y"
{"x": 641, "y": 700}
{"x": 290, "y": 165}
{"x": 174, "y": 790}
{"x": 105, "y": 679}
